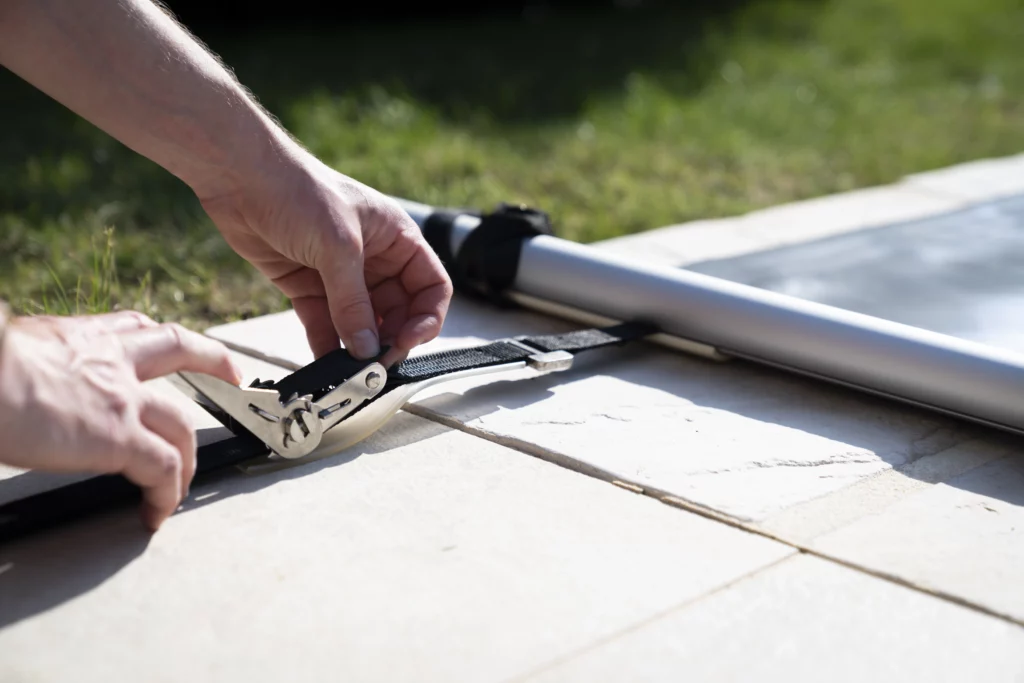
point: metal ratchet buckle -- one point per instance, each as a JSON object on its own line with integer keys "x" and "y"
{"x": 294, "y": 426}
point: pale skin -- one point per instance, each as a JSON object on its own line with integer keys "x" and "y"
{"x": 354, "y": 265}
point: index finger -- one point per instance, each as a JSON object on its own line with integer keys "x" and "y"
{"x": 170, "y": 348}
{"x": 430, "y": 293}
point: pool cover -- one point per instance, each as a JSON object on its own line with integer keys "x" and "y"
{"x": 960, "y": 273}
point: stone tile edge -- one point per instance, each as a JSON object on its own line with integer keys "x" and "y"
{"x": 919, "y": 184}
{"x": 767, "y": 531}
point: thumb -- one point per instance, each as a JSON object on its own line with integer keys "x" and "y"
{"x": 351, "y": 310}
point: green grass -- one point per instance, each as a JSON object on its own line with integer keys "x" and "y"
{"x": 612, "y": 125}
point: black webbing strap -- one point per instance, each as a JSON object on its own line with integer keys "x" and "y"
{"x": 74, "y": 501}
{"x": 496, "y": 353}
{"x": 488, "y": 259}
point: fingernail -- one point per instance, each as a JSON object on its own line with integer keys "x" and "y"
{"x": 365, "y": 344}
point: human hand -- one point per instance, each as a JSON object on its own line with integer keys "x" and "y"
{"x": 72, "y": 399}
{"x": 353, "y": 263}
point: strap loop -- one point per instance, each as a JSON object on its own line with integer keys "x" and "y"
{"x": 488, "y": 260}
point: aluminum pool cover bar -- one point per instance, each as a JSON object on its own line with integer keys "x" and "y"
{"x": 936, "y": 371}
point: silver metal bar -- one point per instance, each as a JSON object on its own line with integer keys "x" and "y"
{"x": 944, "y": 373}
{"x": 669, "y": 341}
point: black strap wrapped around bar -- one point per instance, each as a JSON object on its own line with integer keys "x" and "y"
{"x": 98, "y": 494}
{"x": 488, "y": 259}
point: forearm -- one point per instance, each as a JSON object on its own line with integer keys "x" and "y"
{"x": 131, "y": 70}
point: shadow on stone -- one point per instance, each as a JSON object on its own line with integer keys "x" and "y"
{"x": 44, "y": 571}
{"x": 232, "y": 482}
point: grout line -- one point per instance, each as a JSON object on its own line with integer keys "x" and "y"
{"x": 642, "y": 623}
{"x": 666, "y": 498}
{"x": 878, "y": 574}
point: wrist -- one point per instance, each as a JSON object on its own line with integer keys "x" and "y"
{"x": 246, "y": 150}
{"x": 5, "y": 321}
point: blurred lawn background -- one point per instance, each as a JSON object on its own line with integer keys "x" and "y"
{"x": 613, "y": 121}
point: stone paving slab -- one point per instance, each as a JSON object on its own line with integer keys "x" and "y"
{"x": 931, "y": 537}
{"x": 806, "y": 620}
{"x": 421, "y": 554}
{"x": 977, "y": 180}
{"x": 742, "y": 440}
{"x": 804, "y": 523}
{"x": 777, "y": 226}
{"x": 964, "y": 537}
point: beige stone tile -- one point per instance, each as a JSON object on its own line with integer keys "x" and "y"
{"x": 782, "y": 225}
{"x": 742, "y": 440}
{"x": 976, "y": 181}
{"x": 422, "y": 554}
{"x": 964, "y": 538}
{"x": 804, "y": 522}
{"x": 806, "y": 620}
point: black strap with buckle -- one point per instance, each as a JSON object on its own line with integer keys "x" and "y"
{"x": 75, "y": 501}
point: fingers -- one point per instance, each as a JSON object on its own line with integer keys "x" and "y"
{"x": 430, "y": 289}
{"x": 427, "y": 312}
{"x": 315, "y": 315}
{"x": 169, "y": 348}
{"x": 391, "y": 302}
{"x": 161, "y": 457}
{"x": 393, "y": 357}
{"x": 169, "y": 421}
{"x": 155, "y": 466}
{"x": 412, "y": 290}
{"x": 349, "y": 301}
{"x": 305, "y": 288}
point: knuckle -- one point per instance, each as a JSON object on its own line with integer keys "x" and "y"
{"x": 120, "y": 414}
{"x": 122, "y": 442}
{"x": 141, "y": 319}
{"x": 176, "y": 415}
{"x": 342, "y": 239}
{"x": 184, "y": 432}
{"x": 176, "y": 331}
{"x": 179, "y": 336}
{"x": 159, "y": 407}
{"x": 354, "y": 306}
{"x": 391, "y": 215}
{"x": 165, "y": 462}
{"x": 391, "y": 211}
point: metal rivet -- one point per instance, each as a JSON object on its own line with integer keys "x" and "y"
{"x": 295, "y": 431}
{"x": 373, "y": 380}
